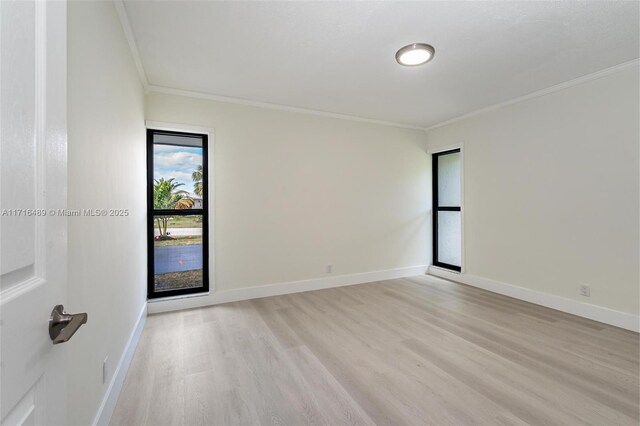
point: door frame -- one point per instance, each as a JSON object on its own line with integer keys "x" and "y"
{"x": 433, "y": 153}
{"x": 208, "y": 227}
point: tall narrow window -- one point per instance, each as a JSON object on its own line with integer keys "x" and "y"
{"x": 177, "y": 213}
{"x": 447, "y": 221}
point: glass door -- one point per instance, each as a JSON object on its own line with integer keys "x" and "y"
{"x": 447, "y": 214}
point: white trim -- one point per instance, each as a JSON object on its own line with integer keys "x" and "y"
{"x": 574, "y": 307}
{"x": 539, "y": 93}
{"x": 180, "y": 296}
{"x": 165, "y": 305}
{"x": 126, "y": 26}
{"x": 103, "y": 416}
{"x": 432, "y": 151}
{"x": 462, "y": 210}
{"x": 440, "y": 268}
{"x": 210, "y": 132}
{"x": 279, "y": 107}
{"x": 128, "y": 32}
{"x": 178, "y": 127}
{"x": 131, "y": 40}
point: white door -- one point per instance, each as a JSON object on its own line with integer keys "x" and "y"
{"x": 33, "y": 259}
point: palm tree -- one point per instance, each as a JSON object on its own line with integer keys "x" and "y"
{"x": 197, "y": 177}
{"x": 167, "y": 196}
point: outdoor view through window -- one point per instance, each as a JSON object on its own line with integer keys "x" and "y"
{"x": 178, "y": 256}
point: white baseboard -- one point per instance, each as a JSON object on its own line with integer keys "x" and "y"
{"x": 575, "y": 307}
{"x": 225, "y": 296}
{"x": 117, "y": 380}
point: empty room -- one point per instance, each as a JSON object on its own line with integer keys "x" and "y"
{"x": 319, "y": 212}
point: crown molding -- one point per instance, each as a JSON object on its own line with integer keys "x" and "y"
{"x": 556, "y": 88}
{"x": 126, "y": 26}
{"x": 148, "y": 88}
{"x": 128, "y": 33}
{"x": 279, "y": 107}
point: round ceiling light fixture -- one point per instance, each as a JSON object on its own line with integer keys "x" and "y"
{"x": 415, "y": 54}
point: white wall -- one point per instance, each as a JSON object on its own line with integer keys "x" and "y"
{"x": 107, "y": 255}
{"x": 296, "y": 192}
{"x": 551, "y": 191}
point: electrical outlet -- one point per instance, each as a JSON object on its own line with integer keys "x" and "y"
{"x": 105, "y": 369}
{"x": 585, "y": 290}
{"x": 329, "y": 269}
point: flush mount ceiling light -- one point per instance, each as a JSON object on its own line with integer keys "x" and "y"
{"x": 415, "y": 54}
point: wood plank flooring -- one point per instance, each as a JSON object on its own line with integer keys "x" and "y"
{"x": 407, "y": 351}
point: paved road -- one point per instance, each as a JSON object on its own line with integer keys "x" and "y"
{"x": 180, "y": 231}
{"x": 177, "y": 258}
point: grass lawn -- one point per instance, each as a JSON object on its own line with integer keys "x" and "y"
{"x": 183, "y": 222}
{"x": 186, "y": 240}
{"x": 178, "y": 280}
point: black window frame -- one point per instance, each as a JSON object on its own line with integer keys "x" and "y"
{"x": 437, "y": 208}
{"x": 151, "y": 213}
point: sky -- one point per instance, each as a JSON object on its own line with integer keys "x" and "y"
{"x": 176, "y": 162}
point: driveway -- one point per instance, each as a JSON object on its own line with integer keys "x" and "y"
{"x": 177, "y": 258}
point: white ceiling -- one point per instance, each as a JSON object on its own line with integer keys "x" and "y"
{"x": 339, "y": 56}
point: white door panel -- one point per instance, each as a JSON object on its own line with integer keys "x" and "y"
{"x": 18, "y": 119}
{"x": 33, "y": 255}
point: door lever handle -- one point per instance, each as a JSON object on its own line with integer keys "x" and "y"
{"x": 63, "y": 325}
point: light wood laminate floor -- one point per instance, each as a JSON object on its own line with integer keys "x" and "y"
{"x": 407, "y": 351}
